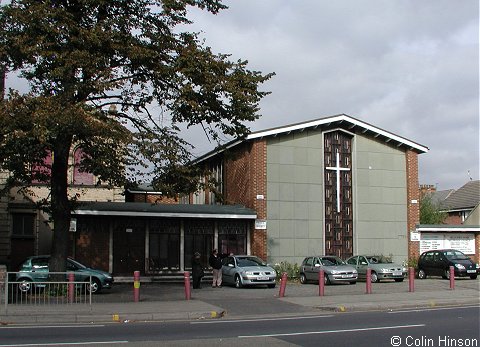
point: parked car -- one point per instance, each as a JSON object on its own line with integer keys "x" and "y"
{"x": 381, "y": 267}
{"x": 247, "y": 270}
{"x": 35, "y": 269}
{"x": 438, "y": 262}
{"x": 336, "y": 270}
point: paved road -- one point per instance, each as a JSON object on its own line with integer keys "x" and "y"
{"x": 398, "y": 328}
{"x": 263, "y": 300}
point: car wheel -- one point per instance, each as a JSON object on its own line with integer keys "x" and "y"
{"x": 95, "y": 287}
{"x": 271, "y": 285}
{"x": 422, "y": 274}
{"x": 447, "y": 274}
{"x": 327, "y": 279}
{"x": 398, "y": 279}
{"x": 303, "y": 279}
{"x": 25, "y": 285}
{"x": 473, "y": 277}
{"x": 238, "y": 282}
{"x": 374, "y": 277}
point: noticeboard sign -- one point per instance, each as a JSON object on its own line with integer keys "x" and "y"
{"x": 463, "y": 242}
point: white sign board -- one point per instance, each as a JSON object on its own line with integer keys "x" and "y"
{"x": 463, "y": 242}
{"x": 73, "y": 225}
{"x": 414, "y": 236}
{"x": 260, "y": 224}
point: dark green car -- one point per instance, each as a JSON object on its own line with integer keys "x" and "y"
{"x": 35, "y": 270}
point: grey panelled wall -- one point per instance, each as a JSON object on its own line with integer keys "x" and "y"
{"x": 380, "y": 199}
{"x": 294, "y": 196}
{"x": 295, "y": 191}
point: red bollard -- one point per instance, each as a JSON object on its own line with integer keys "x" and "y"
{"x": 71, "y": 287}
{"x": 411, "y": 279}
{"x": 136, "y": 286}
{"x": 369, "y": 281}
{"x": 452, "y": 277}
{"x": 283, "y": 284}
{"x": 321, "y": 283}
{"x": 186, "y": 279}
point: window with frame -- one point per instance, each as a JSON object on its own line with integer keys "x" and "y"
{"x": 23, "y": 224}
{"x": 81, "y": 177}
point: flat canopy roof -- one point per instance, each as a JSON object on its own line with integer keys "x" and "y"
{"x": 142, "y": 209}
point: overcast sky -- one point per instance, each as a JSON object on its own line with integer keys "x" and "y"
{"x": 407, "y": 66}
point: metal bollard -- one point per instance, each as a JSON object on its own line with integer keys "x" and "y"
{"x": 71, "y": 287}
{"x": 369, "y": 281}
{"x": 136, "y": 286}
{"x": 186, "y": 280}
{"x": 321, "y": 283}
{"x": 283, "y": 284}
{"x": 452, "y": 277}
{"x": 411, "y": 279}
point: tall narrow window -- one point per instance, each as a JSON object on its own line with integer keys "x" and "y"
{"x": 338, "y": 194}
{"x": 23, "y": 224}
{"x": 80, "y": 176}
{"x": 41, "y": 172}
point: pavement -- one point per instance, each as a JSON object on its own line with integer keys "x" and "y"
{"x": 167, "y": 302}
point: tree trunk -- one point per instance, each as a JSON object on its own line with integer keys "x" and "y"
{"x": 60, "y": 206}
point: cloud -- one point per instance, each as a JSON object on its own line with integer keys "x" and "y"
{"x": 410, "y": 67}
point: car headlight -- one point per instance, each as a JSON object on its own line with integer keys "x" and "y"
{"x": 460, "y": 266}
{"x": 248, "y": 273}
{"x": 334, "y": 272}
{"x": 477, "y": 266}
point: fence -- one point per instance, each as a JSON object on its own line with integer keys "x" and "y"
{"x": 45, "y": 291}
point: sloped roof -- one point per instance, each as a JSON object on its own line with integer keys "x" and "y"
{"x": 466, "y": 197}
{"x": 139, "y": 209}
{"x": 342, "y": 120}
{"x": 438, "y": 197}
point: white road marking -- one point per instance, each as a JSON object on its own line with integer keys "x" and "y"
{"x": 258, "y": 320}
{"x": 433, "y": 309}
{"x": 49, "y": 326}
{"x": 336, "y": 331}
{"x": 65, "y": 343}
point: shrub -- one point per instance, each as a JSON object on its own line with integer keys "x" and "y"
{"x": 292, "y": 270}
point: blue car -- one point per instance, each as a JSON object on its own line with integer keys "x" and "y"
{"x": 35, "y": 269}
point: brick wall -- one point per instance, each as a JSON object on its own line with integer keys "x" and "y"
{"x": 413, "y": 202}
{"x": 245, "y": 179}
{"x": 454, "y": 218}
{"x": 154, "y": 199}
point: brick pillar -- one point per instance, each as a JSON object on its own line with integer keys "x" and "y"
{"x": 413, "y": 202}
{"x": 259, "y": 180}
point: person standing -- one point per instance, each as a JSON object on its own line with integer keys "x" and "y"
{"x": 197, "y": 271}
{"x": 216, "y": 263}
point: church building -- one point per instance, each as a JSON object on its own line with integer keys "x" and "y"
{"x": 335, "y": 185}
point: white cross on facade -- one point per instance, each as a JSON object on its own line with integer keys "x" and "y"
{"x": 337, "y": 169}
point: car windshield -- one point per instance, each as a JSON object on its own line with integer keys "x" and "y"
{"x": 77, "y": 264}
{"x": 331, "y": 261}
{"x": 250, "y": 261}
{"x": 378, "y": 259}
{"x": 456, "y": 255}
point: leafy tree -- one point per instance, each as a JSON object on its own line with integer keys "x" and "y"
{"x": 118, "y": 79}
{"x": 430, "y": 212}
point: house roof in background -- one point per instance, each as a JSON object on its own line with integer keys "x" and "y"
{"x": 439, "y": 196}
{"x": 139, "y": 209}
{"x": 466, "y": 197}
{"x": 337, "y": 121}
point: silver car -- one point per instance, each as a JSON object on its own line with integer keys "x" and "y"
{"x": 336, "y": 270}
{"x": 381, "y": 267}
{"x": 247, "y": 270}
